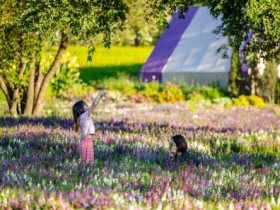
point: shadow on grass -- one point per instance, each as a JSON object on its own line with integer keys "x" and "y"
{"x": 112, "y": 126}
{"x": 229, "y": 154}
{"x": 8, "y": 121}
{"x": 98, "y": 73}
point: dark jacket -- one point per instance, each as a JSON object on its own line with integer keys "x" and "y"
{"x": 189, "y": 158}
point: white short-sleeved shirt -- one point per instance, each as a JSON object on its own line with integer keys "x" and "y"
{"x": 86, "y": 124}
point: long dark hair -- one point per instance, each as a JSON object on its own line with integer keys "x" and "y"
{"x": 181, "y": 143}
{"x": 78, "y": 109}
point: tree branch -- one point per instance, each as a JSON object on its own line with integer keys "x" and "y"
{"x": 30, "y": 93}
{"x": 39, "y": 79}
{"x": 41, "y": 95}
{"x": 16, "y": 96}
{"x": 21, "y": 69}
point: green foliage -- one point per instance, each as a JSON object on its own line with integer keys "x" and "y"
{"x": 235, "y": 147}
{"x": 239, "y": 17}
{"x": 162, "y": 9}
{"x": 173, "y": 93}
{"x": 255, "y": 100}
{"x": 66, "y": 76}
{"x": 153, "y": 92}
{"x": 121, "y": 83}
{"x": 241, "y": 101}
{"x": 264, "y": 20}
{"x": 83, "y": 20}
{"x": 248, "y": 100}
{"x": 193, "y": 92}
{"x": 137, "y": 30}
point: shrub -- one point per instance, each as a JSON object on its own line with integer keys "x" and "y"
{"x": 196, "y": 96}
{"x": 66, "y": 76}
{"x": 212, "y": 93}
{"x": 120, "y": 83}
{"x": 256, "y": 101}
{"x": 248, "y": 100}
{"x": 193, "y": 92}
{"x": 241, "y": 101}
{"x": 172, "y": 93}
{"x": 153, "y": 92}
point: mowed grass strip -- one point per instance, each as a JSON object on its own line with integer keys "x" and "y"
{"x": 108, "y": 63}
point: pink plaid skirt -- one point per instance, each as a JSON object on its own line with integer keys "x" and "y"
{"x": 86, "y": 149}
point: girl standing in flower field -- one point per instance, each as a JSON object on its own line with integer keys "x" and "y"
{"x": 84, "y": 122}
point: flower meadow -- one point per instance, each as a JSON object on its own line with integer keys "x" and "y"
{"x": 239, "y": 149}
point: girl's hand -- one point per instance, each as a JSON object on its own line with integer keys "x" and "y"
{"x": 103, "y": 93}
{"x": 97, "y": 100}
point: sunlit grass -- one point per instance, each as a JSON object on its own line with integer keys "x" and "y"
{"x": 115, "y": 56}
{"x": 108, "y": 63}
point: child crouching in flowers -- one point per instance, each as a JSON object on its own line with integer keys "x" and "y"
{"x": 84, "y": 122}
{"x": 178, "y": 149}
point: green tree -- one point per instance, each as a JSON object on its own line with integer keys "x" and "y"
{"x": 239, "y": 17}
{"x": 25, "y": 28}
{"x": 235, "y": 76}
{"x": 268, "y": 83}
{"x": 137, "y": 30}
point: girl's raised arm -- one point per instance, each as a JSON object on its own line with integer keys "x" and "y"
{"x": 96, "y": 101}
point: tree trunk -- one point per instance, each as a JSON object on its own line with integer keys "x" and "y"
{"x": 15, "y": 93}
{"x": 30, "y": 93}
{"x": 39, "y": 80}
{"x": 9, "y": 95}
{"x": 43, "y": 89}
{"x": 137, "y": 40}
{"x": 14, "y": 104}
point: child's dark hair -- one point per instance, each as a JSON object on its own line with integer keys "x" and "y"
{"x": 180, "y": 142}
{"x": 78, "y": 109}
